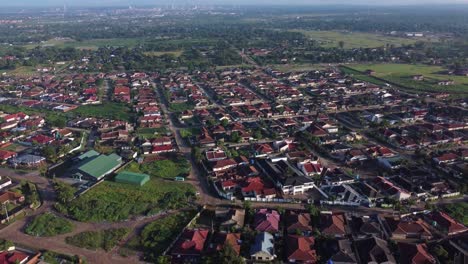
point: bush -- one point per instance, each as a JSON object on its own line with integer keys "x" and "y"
{"x": 47, "y": 225}
{"x": 105, "y": 239}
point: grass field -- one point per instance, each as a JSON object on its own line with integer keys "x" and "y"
{"x": 175, "y": 53}
{"x": 92, "y": 44}
{"x": 354, "y": 39}
{"x": 111, "y": 201}
{"x": 297, "y": 67}
{"x": 110, "y": 110}
{"x": 402, "y": 74}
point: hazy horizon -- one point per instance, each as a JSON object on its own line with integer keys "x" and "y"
{"x": 35, "y": 3}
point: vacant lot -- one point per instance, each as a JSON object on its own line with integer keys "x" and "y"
{"x": 298, "y": 67}
{"x": 354, "y": 39}
{"x": 402, "y": 74}
{"x": 172, "y": 166}
{"x": 111, "y": 201}
{"x": 105, "y": 239}
{"x": 158, "y": 235}
{"x": 458, "y": 211}
{"x": 109, "y": 110}
{"x": 46, "y": 225}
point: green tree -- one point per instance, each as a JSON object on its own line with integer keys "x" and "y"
{"x": 341, "y": 44}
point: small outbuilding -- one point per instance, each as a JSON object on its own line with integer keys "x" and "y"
{"x": 133, "y": 178}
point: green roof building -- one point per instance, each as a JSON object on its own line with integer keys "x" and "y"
{"x": 96, "y": 167}
{"x": 132, "y": 178}
{"x": 89, "y": 154}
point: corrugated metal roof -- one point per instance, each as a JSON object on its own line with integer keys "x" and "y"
{"x": 101, "y": 165}
{"x": 132, "y": 178}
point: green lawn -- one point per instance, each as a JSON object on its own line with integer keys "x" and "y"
{"x": 103, "y": 239}
{"x": 158, "y": 235}
{"x": 175, "y": 165}
{"x": 46, "y": 225}
{"x": 111, "y": 201}
{"x": 402, "y": 74}
{"x": 354, "y": 39}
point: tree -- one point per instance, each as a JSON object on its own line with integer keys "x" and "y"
{"x": 65, "y": 192}
{"x": 197, "y": 154}
{"x": 341, "y": 44}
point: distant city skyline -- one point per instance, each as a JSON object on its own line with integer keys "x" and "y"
{"x": 26, "y": 3}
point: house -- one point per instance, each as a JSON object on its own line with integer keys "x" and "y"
{"x": 298, "y": 222}
{"x": 342, "y": 252}
{"x": 267, "y": 220}
{"x": 263, "y": 150}
{"x": 215, "y": 155}
{"x": 256, "y": 187}
{"x": 390, "y": 189}
{"x": 446, "y": 224}
{"x": 446, "y": 158}
{"x": 41, "y": 139}
{"x": 373, "y": 250}
{"x": 263, "y": 248}
{"x": 288, "y": 178}
{"x": 222, "y": 165}
{"x": 231, "y": 218}
{"x": 310, "y": 168}
{"x": 6, "y": 155}
{"x": 415, "y": 254}
{"x": 407, "y": 229}
{"x": 11, "y": 197}
{"x": 190, "y": 245}
{"x": 299, "y": 249}
{"x": 4, "y": 182}
{"x": 332, "y": 224}
{"x": 220, "y": 240}
{"x": 446, "y": 82}
{"x": 391, "y": 163}
{"x": 27, "y": 160}
{"x": 13, "y": 257}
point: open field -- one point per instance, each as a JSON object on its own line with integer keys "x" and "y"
{"x": 175, "y": 53}
{"x": 297, "y": 67}
{"x": 354, "y": 39}
{"x": 402, "y": 74}
{"x": 111, "y": 201}
{"x": 92, "y": 44}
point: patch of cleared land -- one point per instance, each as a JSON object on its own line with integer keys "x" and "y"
{"x": 92, "y": 44}
{"x": 403, "y": 74}
{"x": 354, "y": 39}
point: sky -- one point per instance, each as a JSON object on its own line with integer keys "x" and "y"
{"x": 26, "y": 3}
